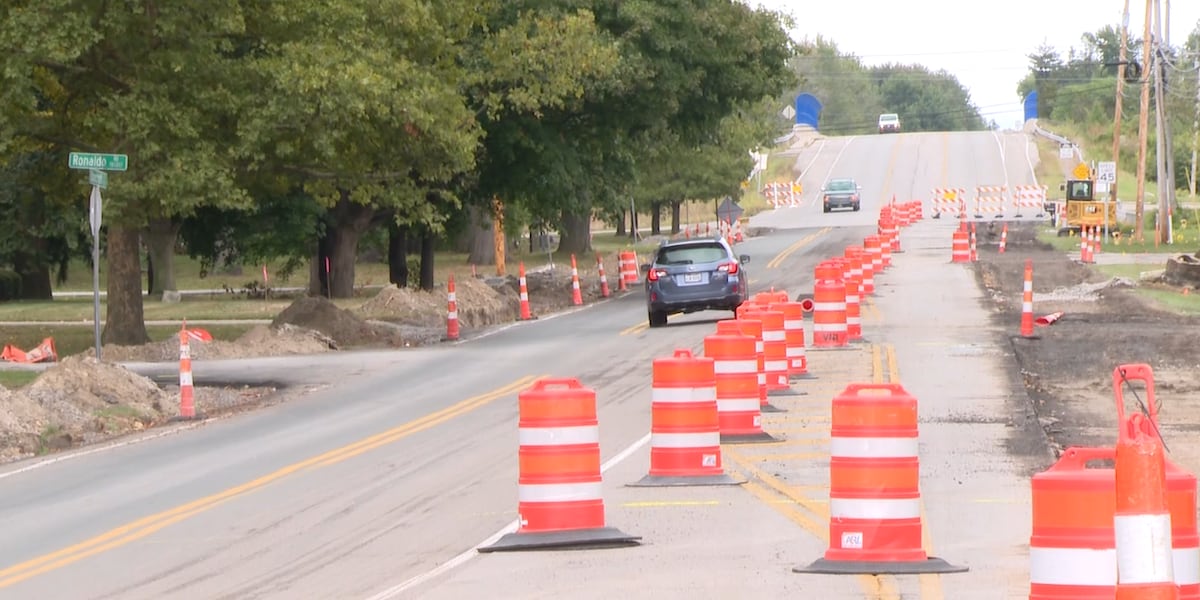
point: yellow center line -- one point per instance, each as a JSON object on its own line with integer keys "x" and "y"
{"x": 640, "y": 327}
{"x": 779, "y": 258}
{"x": 145, "y": 526}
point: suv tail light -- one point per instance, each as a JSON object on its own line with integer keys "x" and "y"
{"x": 654, "y": 274}
{"x": 730, "y": 268}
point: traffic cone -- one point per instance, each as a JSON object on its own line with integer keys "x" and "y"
{"x": 576, "y": 296}
{"x": 874, "y": 492}
{"x": 974, "y": 253}
{"x": 1142, "y": 522}
{"x": 451, "y": 311}
{"x": 525, "y": 313}
{"x": 559, "y": 484}
{"x": 604, "y": 291}
{"x": 1003, "y": 238}
{"x": 44, "y": 352}
{"x": 1027, "y": 301}
{"x": 685, "y": 429}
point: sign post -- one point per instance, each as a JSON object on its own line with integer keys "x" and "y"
{"x": 1106, "y": 171}
{"x": 96, "y": 165}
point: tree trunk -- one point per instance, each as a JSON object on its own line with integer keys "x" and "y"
{"x": 675, "y": 221}
{"x": 344, "y": 226}
{"x": 479, "y": 238}
{"x": 34, "y": 272}
{"x": 161, "y": 236}
{"x": 318, "y": 280}
{"x": 655, "y": 218}
{"x": 427, "y": 262}
{"x": 398, "y": 256}
{"x": 621, "y": 225}
{"x": 575, "y": 234}
{"x": 125, "y": 320}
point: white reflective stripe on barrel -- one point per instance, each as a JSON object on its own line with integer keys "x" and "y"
{"x": 558, "y": 492}
{"x": 793, "y": 324}
{"x": 1187, "y": 565}
{"x": 852, "y": 299}
{"x": 873, "y": 447}
{"x": 776, "y": 365}
{"x": 725, "y": 405}
{"x": 834, "y": 327}
{"x": 875, "y": 508}
{"x": 774, "y": 335}
{"x": 829, "y": 306}
{"x": 683, "y": 394}
{"x": 1073, "y": 566}
{"x": 558, "y": 436}
{"x": 724, "y": 367}
{"x": 685, "y": 440}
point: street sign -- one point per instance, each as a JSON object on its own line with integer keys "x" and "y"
{"x": 103, "y": 162}
{"x": 1081, "y": 171}
{"x": 729, "y": 211}
{"x": 1066, "y": 151}
{"x": 94, "y": 211}
{"x": 1106, "y": 171}
{"x": 98, "y": 178}
{"x": 788, "y": 112}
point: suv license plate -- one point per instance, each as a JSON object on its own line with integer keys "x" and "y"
{"x": 693, "y": 277}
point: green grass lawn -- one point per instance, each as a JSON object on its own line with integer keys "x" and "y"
{"x": 73, "y": 339}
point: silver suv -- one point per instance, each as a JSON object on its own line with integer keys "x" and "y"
{"x": 693, "y": 275}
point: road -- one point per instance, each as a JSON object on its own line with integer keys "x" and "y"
{"x": 382, "y": 485}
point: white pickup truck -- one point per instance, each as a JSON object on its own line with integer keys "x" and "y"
{"x": 889, "y": 123}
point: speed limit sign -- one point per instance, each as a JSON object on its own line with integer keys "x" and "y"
{"x": 1106, "y": 172}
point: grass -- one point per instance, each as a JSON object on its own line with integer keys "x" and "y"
{"x": 16, "y": 379}
{"x": 73, "y": 339}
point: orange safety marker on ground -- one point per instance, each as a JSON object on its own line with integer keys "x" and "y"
{"x": 1027, "y": 301}
{"x": 829, "y": 307}
{"x": 874, "y": 479}
{"x": 560, "y": 504}
{"x": 1142, "y": 522}
{"x": 604, "y": 291}
{"x": 44, "y": 352}
{"x": 685, "y": 429}
{"x": 735, "y": 366}
{"x": 451, "y": 311}
{"x": 524, "y": 293}
{"x": 187, "y": 404}
{"x": 576, "y": 296}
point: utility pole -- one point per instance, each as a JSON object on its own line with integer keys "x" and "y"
{"x": 1116, "y": 147}
{"x": 1195, "y": 122}
{"x": 1143, "y": 126}
{"x": 1165, "y": 153}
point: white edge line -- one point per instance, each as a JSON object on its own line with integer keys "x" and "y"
{"x": 462, "y": 558}
{"x": 1028, "y": 160}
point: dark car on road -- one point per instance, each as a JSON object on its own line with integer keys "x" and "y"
{"x": 840, "y": 193}
{"x": 692, "y": 275}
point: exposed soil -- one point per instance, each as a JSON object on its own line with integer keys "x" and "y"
{"x": 80, "y": 401}
{"x": 1067, "y": 367}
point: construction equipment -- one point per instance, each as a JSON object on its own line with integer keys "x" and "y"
{"x": 1080, "y": 207}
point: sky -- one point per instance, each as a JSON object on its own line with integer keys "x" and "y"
{"x": 984, "y": 43}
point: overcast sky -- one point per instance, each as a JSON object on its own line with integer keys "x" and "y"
{"x": 985, "y": 44}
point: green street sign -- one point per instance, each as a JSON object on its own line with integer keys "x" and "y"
{"x": 102, "y": 162}
{"x": 98, "y": 178}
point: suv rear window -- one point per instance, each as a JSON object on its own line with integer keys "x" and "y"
{"x": 841, "y": 185}
{"x": 689, "y": 255}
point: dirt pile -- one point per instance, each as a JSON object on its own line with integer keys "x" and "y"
{"x": 341, "y": 325}
{"x": 261, "y": 340}
{"x": 1067, "y": 367}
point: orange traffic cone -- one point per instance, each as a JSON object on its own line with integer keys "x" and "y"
{"x": 685, "y": 429}
{"x": 1142, "y": 523}
{"x": 45, "y": 352}
{"x": 187, "y": 406}
{"x": 525, "y": 313}
{"x": 1027, "y": 301}
{"x": 604, "y": 291}
{"x": 451, "y": 311}
{"x": 559, "y": 485}
{"x": 576, "y": 296}
{"x": 1003, "y": 238}
{"x": 874, "y": 493}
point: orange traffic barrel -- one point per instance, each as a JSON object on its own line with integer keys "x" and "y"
{"x": 874, "y": 488}
{"x": 874, "y": 246}
{"x": 853, "y": 298}
{"x": 559, "y": 484}
{"x": 890, "y": 230}
{"x": 628, "y": 267}
{"x": 753, "y": 328}
{"x": 867, "y": 286}
{"x": 793, "y": 333}
{"x": 775, "y": 362}
{"x": 765, "y": 298}
{"x": 685, "y": 430}
{"x": 829, "y": 307}
{"x": 735, "y": 366}
{"x": 960, "y": 250}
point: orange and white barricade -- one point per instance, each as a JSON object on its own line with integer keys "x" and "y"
{"x": 560, "y": 504}
{"x": 685, "y": 427}
{"x": 735, "y": 367}
{"x": 829, "y": 307}
{"x": 874, "y": 486}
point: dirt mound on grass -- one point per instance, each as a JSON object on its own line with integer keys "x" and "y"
{"x": 341, "y": 325}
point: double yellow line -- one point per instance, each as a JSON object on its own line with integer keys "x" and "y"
{"x": 145, "y": 526}
{"x": 806, "y": 240}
